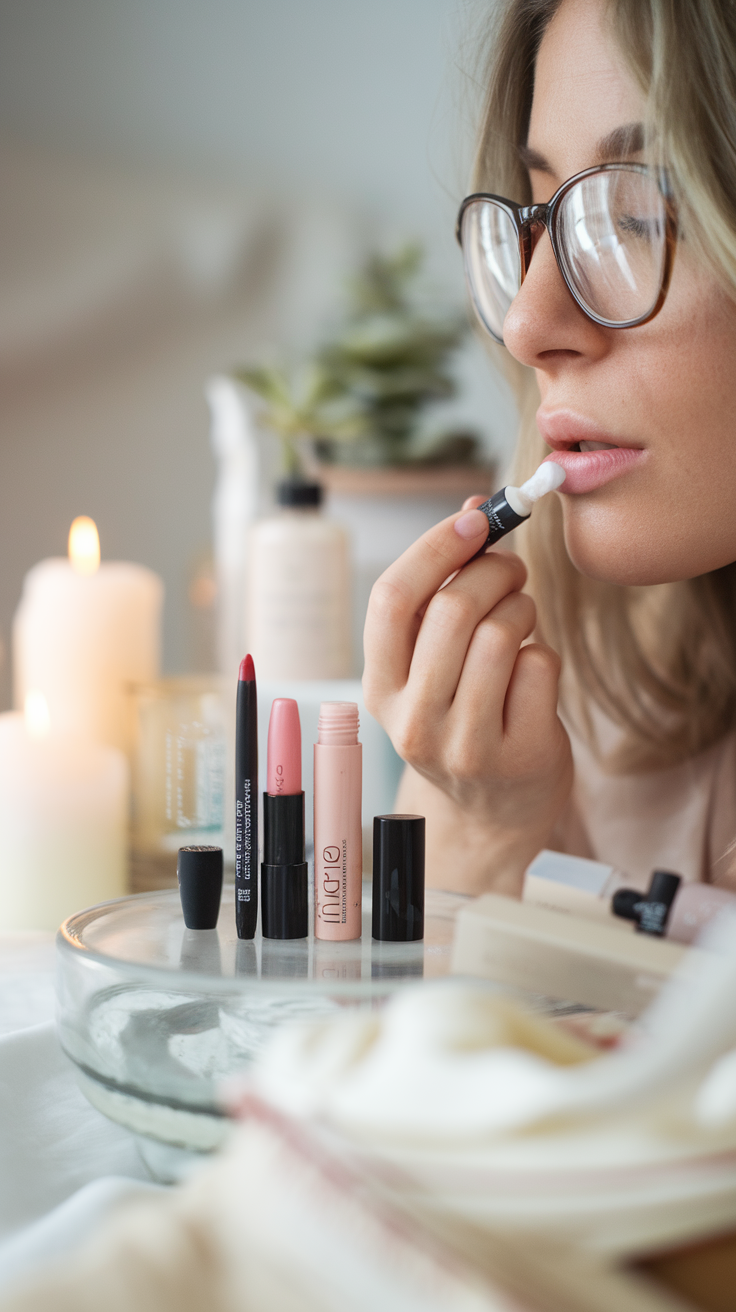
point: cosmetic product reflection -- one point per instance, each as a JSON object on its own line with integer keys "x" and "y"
{"x": 200, "y": 952}
{"x": 284, "y": 882}
{"x": 338, "y": 832}
{"x": 246, "y": 957}
{"x": 335, "y": 961}
{"x": 512, "y": 505}
{"x": 246, "y": 802}
{"x": 199, "y": 875}
{"x": 285, "y": 958}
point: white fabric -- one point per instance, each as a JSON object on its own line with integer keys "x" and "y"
{"x": 452, "y": 1064}
{"x": 496, "y": 1118}
{"x": 63, "y": 1166}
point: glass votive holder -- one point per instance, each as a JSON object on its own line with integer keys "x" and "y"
{"x": 178, "y": 775}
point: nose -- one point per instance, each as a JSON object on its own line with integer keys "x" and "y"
{"x": 544, "y": 324}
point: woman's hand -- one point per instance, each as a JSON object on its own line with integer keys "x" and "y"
{"x": 466, "y": 705}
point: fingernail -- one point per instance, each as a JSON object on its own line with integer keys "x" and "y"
{"x": 471, "y": 525}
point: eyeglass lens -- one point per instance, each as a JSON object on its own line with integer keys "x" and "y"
{"x": 610, "y": 231}
{"x": 492, "y": 262}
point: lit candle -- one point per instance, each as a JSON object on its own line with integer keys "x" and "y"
{"x": 83, "y": 633}
{"x": 63, "y": 817}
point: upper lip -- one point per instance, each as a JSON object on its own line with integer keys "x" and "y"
{"x": 563, "y": 430}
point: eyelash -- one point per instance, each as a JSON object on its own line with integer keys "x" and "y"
{"x": 645, "y": 228}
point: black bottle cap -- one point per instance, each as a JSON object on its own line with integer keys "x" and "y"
{"x": 650, "y": 910}
{"x": 625, "y": 903}
{"x": 398, "y": 878}
{"x": 663, "y": 887}
{"x": 199, "y": 872}
{"x": 293, "y": 492}
{"x": 655, "y": 909}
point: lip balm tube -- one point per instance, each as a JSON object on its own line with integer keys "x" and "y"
{"x": 507, "y": 509}
{"x": 338, "y": 835}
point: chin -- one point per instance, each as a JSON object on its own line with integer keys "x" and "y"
{"x": 612, "y": 550}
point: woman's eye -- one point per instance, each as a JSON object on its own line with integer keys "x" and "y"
{"x": 644, "y": 229}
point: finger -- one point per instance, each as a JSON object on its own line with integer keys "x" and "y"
{"x": 403, "y": 591}
{"x": 478, "y": 596}
{"x": 472, "y": 503}
{"x": 530, "y": 713}
{"x": 490, "y": 662}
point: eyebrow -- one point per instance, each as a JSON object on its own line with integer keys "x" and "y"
{"x": 619, "y": 144}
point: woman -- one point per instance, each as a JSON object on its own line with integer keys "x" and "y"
{"x": 626, "y": 332}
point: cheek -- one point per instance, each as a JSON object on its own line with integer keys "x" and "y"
{"x": 675, "y": 517}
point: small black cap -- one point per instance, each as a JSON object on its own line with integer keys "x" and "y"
{"x": 663, "y": 887}
{"x": 656, "y": 907}
{"x": 293, "y": 492}
{"x": 398, "y": 878}
{"x": 626, "y": 902}
{"x": 199, "y": 872}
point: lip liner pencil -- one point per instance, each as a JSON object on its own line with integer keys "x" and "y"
{"x": 246, "y": 802}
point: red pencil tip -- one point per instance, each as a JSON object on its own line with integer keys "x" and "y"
{"x": 247, "y": 670}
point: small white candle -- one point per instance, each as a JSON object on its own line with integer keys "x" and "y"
{"x": 83, "y": 633}
{"x": 63, "y": 817}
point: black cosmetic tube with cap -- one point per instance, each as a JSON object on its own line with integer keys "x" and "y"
{"x": 284, "y": 872}
{"x": 502, "y": 518}
{"x": 651, "y": 911}
{"x": 398, "y": 878}
{"x": 199, "y": 874}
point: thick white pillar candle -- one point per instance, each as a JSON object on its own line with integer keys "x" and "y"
{"x": 63, "y": 819}
{"x": 83, "y": 633}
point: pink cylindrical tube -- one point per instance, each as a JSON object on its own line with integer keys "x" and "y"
{"x": 338, "y": 834}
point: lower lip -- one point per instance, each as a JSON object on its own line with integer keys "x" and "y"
{"x": 587, "y": 470}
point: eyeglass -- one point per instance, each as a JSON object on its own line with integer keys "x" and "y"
{"x": 613, "y": 231}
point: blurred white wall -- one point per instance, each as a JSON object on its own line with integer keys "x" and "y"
{"x": 182, "y": 185}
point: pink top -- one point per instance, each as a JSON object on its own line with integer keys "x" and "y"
{"x": 338, "y": 724}
{"x": 284, "y": 770}
{"x": 682, "y": 819}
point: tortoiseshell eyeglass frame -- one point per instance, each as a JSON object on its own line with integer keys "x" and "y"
{"x": 526, "y": 217}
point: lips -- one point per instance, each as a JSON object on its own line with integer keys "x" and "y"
{"x": 590, "y": 457}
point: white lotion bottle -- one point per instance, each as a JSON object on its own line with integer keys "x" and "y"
{"x": 298, "y": 601}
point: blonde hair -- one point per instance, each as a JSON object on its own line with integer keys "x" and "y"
{"x": 684, "y": 56}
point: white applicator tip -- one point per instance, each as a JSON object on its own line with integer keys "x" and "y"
{"x": 548, "y": 477}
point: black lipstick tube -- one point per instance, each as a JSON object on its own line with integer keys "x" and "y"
{"x": 284, "y": 873}
{"x": 502, "y": 518}
{"x": 246, "y": 809}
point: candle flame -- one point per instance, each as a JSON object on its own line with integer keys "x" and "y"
{"x": 84, "y": 545}
{"x": 38, "y": 720}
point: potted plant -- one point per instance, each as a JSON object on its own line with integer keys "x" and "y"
{"x": 363, "y": 402}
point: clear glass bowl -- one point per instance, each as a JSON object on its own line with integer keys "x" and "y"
{"x": 155, "y": 1016}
